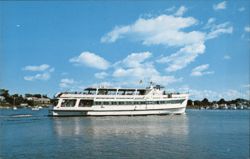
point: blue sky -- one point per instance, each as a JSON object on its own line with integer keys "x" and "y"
{"x": 200, "y": 47}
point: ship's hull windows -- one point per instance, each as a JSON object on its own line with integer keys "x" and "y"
{"x": 97, "y": 103}
{"x": 129, "y": 103}
{"x": 68, "y": 103}
{"x": 86, "y": 103}
{"x": 121, "y": 103}
{"x": 142, "y": 102}
{"x": 139, "y": 102}
{"x": 105, "y": 103}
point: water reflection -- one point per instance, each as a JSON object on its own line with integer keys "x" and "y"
{"x": 100, "y": 127}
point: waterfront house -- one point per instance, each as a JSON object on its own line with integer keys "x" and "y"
{"x": 223, "y": 106}
{"x": 39, "y": 101}
{"x": 2, "y": 98}
{"x": 215, "y": 106}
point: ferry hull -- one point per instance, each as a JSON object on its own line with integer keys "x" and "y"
{"x": 117, "y": 112}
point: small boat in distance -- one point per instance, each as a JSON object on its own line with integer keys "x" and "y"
{"x": 119, "y": 101}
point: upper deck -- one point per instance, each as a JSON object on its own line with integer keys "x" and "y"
{"x": 115, "y": 91}
{"x": 122, "y": 93}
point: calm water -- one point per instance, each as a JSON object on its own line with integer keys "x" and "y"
{"x": 203, "y": 134}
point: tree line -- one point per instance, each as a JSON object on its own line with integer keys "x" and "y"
{"x": 205, "y": 102}
{"x": 17, "y": 99}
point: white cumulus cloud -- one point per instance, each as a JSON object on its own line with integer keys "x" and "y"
{"x": 67, "y": 82}
{"x": 171, "y": 31}
{"x": 168, "y": 30}
{"x": 210, "y": 23}
{"x": 216, "y": 30}
{"x": 220, "y": 6}
{"x": 42, "y": 67}
{"x": 229, "y": 94}
{"x": 181, "y": 11}
{"x": 165, "y": 30}
{"x": 40, "y": 76}
{"x": 101, "y": 75}
{"x": 134, "y": 59}
{"x": 201, "y": 70}
{"x": 183, "y": 57}
{"x": 247, "y": 28}
{"x": 134, "y": 68}
{"x": 91, "y": 60}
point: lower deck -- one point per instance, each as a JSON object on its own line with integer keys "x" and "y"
{"x": 117, "y": 112}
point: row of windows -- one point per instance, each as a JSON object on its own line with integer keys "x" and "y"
{"x": 115, "y": 92}
{"x": 72, "y": 103}
{"x": 139, "y": 102}
{"x": 68, "y": 103}
{"x": 88, "y": 103}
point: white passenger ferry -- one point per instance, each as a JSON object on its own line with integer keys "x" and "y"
{"x": 119, "y": 101}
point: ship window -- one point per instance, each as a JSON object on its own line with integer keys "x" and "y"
{"x": 102, "y": 92}
{"x": 129, "y": 93}
{"x": 129, "y": 103}
{"x": 142, "y": 92}
{"x": 121, "y": 103}
{"x": 92, "y": 92}
{"x": 136, "y": 93}
{"x": 120, "y": 92}
{"x": 143, "y": 102}
{"x": 105, "y": 103}
{"x": 161, "y": 102}
{"x": 97, "y": 103}
{"x": 111, "y": 92}
{"x": 86, "y": 103}
{"x": 85, "y": 92}
{"x": 174, "y": 101}
{"x": 150, "y": 102}
{"x": 113, "y": 103}
{"x": 68, "y": 103}
{"x": 136, "y": 103}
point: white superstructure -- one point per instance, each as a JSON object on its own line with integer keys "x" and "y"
{"x": 119, "y": 101}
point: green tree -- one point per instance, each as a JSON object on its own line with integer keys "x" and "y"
{"x": 205, "y": 101}
{"x": 222, "y": 101}
{"x": 28, "y": 95}
{"x": 4, "y": 92}
{"x": 30, "y": 102}
{"x": 190, "y": 102}
{"x": 37, "y": 95}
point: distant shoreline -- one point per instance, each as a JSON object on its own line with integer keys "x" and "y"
{"x": 241, "y": 107}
